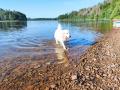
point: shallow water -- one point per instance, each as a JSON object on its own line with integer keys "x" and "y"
{"x": 37, "y": 37}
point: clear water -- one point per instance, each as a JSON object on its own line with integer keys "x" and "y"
{"x": 37, "y": 37}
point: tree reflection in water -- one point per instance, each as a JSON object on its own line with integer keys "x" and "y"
{"x": 13, "y": 25}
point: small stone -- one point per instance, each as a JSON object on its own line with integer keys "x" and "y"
{"x": 87, "y": 68}
{"x": 97, "y": 76}
{"x": 75, "y": 65}
{"x": 52, "y": 86}
{"x": 74, "y": 77}
{"x": 94, "y": 59}
{"x": 104, "y": 75}
{"x": 48, "y": 63}
{"x": 37, "y": 66}
{"x": 46, "y": 88}
{"x": 101, "y": 89}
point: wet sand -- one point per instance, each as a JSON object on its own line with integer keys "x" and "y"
{"x": 97, "y": 69}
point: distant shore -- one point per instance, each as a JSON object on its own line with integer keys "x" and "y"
{"x": 37, "y": 19}
{"x": 12, "y": 21}
{"x": 97, "y": 69}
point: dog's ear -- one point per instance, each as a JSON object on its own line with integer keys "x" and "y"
{"x": 59, "y": 27}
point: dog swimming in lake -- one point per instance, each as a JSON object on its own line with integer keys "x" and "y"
{"x": 61, "y": 36}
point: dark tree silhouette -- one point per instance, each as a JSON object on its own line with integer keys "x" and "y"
{"x": 12, "y": 15}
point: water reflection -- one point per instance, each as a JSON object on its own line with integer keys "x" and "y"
{"x": 62, "y": 56}
{"x": 99, "y": 26}
{"x": 12, "y": 25}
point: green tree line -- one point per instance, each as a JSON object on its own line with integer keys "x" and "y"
{"x": 109, "y": 9}
{"x": 12, "y": 15}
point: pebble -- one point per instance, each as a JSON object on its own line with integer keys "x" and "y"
{"x": 48, "y": 63}
{"x": 74, "y": 77}
{"x": 94, "y": 59}
{"x": 52, "y": 86}
{"x": 37, "y": 66}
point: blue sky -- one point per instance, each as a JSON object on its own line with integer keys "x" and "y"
{"x": 46, "y": 8}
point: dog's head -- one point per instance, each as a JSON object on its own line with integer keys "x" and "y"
{"x": 66, "y": 34}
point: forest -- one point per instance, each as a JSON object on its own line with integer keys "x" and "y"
{"x": 109, "y": 9}
{"x": 6, "y": 15}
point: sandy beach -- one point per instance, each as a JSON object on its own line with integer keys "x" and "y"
{"x": 97, "y": 69}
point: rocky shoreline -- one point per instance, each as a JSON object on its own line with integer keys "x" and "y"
{"x": 97, "y": 69}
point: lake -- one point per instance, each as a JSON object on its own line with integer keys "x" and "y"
{"x": 34, "y": 38}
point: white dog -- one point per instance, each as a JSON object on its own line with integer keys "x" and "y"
{"x": 61, "y": 36}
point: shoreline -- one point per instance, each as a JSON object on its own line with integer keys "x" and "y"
{"x": 102, "y": 62}
{"x": 13, "y": 21}
{"x": 97, "y": 69}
